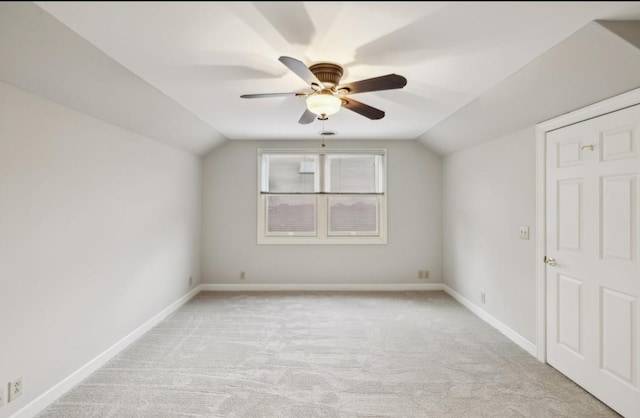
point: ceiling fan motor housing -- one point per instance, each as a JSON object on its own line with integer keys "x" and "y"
{"x": 329, "y": 74}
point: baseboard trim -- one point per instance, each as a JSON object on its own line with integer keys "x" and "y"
{"x": 355, "y": 287}
{"x": 47, "y": 398}
{"x": 525, "y": 344}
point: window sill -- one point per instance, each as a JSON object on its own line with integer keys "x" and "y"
{"x": 322, "y": 241}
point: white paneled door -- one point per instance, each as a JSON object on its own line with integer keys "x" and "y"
{"x": 593, "y": 256}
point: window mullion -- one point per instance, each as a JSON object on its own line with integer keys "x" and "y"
{"x": 323, "y": 216}
{"x": 323, "y": 212}
{"x": 321, "y": 174}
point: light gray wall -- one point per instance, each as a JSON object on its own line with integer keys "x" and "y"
{"x": 229, "y": 223}
{"x": 489, "y": 192}
{"x": 99, "y": 231}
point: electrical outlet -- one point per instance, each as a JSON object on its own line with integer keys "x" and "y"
{"x": 243, "y": 275}
{"x": 523, "y": 232}
{"x": 483, "y": 298}
{"x": 15, "y": 389}
{"x": 3, "y": 396}
{"x": 426, "y": 274}
{"x": 420, "y": 274}
{"x": 190, "y": 280}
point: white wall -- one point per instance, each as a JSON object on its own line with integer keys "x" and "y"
{"x": 99, "y": 231}
{"x": 229, "y": 223}
{"x": 489, "y": 192}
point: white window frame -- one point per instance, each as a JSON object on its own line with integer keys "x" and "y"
{"x": 322, "y": 209}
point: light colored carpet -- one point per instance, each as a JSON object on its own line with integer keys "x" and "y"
{"x": 325, "y": 354}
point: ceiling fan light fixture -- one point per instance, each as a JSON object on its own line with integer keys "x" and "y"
{"x": 328, "y": 95}
{"x": 324, "y": 104}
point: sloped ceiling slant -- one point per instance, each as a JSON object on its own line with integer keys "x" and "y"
{"x": 599, "y": 61}
{"x": 46, "y": 58}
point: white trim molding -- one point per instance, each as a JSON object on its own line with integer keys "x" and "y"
{"x": 47, "y": 398}
{"x": 541, "y": 233}
{"x": 342, "y": 287}
{"x": 612, "y": 104}
{"x": 525, "y": 344}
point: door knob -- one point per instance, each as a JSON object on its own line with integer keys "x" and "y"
{"x": 550, "y": 261}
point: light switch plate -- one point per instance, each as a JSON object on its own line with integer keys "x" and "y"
{"x": 524, "y": 232}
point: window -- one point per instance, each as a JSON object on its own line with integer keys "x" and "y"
{"x": 321, "y": 197}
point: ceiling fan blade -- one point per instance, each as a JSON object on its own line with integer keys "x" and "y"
{"x": 301, "y": 70}
{"x": 385, "y": 82}
{"x": 361, "y": 108}
{"x": 307, "y": 117}
{"x": 259, "y": 96}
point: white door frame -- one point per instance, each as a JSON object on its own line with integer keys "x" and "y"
{"x": 630, "y": 98}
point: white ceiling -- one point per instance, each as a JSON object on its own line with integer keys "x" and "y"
{"x": 204, "y": 55}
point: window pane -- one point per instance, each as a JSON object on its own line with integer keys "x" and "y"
{"x": 290, "y": 173}
{"x": 353, "y": 173}
{"x": 291, "y": 215}
{"x": 353, "y": 215}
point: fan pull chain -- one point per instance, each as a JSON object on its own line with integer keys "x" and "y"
{"x": 323, "y": 131}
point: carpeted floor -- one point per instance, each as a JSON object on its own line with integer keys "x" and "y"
{"x": 325, "y": 354}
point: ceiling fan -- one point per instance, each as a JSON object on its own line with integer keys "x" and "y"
{"x": 327, "y": 95}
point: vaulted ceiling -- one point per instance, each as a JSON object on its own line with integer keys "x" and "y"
{"x": 174, "y": 71}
